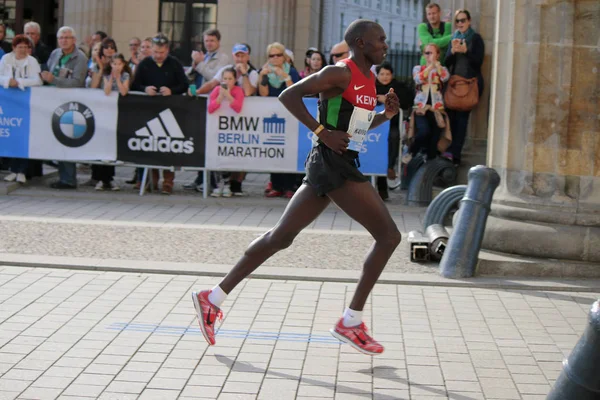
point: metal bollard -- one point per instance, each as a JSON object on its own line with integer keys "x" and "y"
{"x": 438, "y": 240}
{"x": 580, "y": 377}
{"x": 461, "y": 255}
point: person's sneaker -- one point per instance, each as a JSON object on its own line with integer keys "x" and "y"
{"x": 357, "y": 337}
{"x": 99, "y": 186}
{"x": 207, "y": 314}
{"x": 10, "y": 178}
{"x": 269, "y": 187}
{"x": 217, "y": 192}
{"x": 21, "y": 178}
{"x": 239, "y": 194}
{"x": 226, "y": 192}
{"x": 112, "y": 186}
{"x": 190, "y": 186}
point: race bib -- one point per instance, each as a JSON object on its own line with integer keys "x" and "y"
{"x": 360, "y": 122}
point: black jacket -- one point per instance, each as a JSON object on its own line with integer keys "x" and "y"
{"x": 404, "y": 93}
{"x": 41, "y": 53}
{"x": 170, "y": 74}
{"x": 474, "y": 56}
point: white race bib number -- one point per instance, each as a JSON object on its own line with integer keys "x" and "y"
{"x": 360, "y": 122}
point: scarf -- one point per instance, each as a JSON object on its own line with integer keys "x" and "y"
{"x": 275, "y": 80}
{"x": 467, "y": 36}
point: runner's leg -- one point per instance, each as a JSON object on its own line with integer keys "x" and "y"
{"x": 302, "y": 209}
{"x": 362, "y": 203}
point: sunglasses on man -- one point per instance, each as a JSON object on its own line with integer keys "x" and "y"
{"x": 461, "y": 20}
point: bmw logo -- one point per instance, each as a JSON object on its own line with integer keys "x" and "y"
{"x": 73, "y": 124}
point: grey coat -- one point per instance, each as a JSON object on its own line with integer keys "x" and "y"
{"x": 77, "y": 64}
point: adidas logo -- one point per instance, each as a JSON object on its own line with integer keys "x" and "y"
{"x": 161, "y": 134}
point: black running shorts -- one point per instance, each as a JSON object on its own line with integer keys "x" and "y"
{"x": 327, "y": 170}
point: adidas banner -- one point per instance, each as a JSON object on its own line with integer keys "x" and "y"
{"x": 161, "y": 131}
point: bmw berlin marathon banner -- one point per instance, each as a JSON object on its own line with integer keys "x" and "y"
{"x": 161, "y": 131}
{"x": 58, "y": 124}
{"x": 264, "y": 136}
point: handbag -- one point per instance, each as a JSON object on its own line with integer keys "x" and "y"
{"x": 461, "y": 94}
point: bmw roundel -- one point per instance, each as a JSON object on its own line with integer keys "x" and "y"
{"x": 73, "y": 124}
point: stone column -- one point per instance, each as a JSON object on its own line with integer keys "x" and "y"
{"x": 544, "y": 136}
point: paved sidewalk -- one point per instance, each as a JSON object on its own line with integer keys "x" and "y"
{"x": 77, "y": 335}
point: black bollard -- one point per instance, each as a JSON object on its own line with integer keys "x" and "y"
{"x": 580, "y": 377}
{"x": 461, "y": 254}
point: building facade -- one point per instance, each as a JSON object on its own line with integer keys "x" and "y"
{"x": 399, "y": 18}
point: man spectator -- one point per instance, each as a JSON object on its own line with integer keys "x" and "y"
{"x": 207, "y": 65}
{"x": 41, "y": 52}
{"x": 434, "y": 31}
{"x": 160, "y": 74}
{"x": 67, "y": 68}
{"x": 339, "y": 52}
{"x": 134, "y": 48}
{"x": 247, "y": 76}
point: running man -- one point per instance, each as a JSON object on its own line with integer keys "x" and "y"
{"x": 347, "y": 100}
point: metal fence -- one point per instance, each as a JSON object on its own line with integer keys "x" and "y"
{"x": 403, "y": 61}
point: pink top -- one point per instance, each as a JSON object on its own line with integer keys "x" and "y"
{"x": 238, "y": 99}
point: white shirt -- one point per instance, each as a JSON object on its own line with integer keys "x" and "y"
{"x": 26, "y": 71}
{"x": 252, "y": 76}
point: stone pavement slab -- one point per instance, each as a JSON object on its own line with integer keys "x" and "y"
{"x": 112, "y": 335}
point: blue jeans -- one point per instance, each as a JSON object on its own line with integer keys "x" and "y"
{"x": 67, "y": 172}
{"x": 18, "y": 165}
{"x": 427, "y": 135}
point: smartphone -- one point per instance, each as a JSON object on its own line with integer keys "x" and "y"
{"x": 193, "y": 89}
{"x": 224, "y": 85}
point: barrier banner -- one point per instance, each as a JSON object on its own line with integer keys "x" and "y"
{"x": 14, "y": 123}
{"x": 162, "y": 131}
{"x": 262, "y": 137}
{"x": 374, "y": 154}
{"x": 72, "y": 124}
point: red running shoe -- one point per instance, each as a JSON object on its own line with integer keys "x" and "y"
{"x": 269, "y": 187}
{"x": 289, "y": 194}
{"x": 207, "y": 314}
{"x": 274, "y": 193}
{"x": 357, "y": 337}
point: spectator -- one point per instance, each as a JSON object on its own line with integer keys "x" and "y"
{"x": 228, "y": 91}
{"x": 134, "y": 49}
{"x": 274, "y": 77}
{"x": 385, "y": 82}
{"x": 289, "y": 57}
{"x": 307, "y": 55}
{"x": 97, "y": 37}
{"x": 434, "y": 31}
{"x": 19, "y": 70}
{"x": 316, "y": 63}
{"x": 339, "y": 52}
{"x": 164, "y": 75}
{"x": 114, "y": 77}
{"x": 207, "y": 65}
{"x": 428, "y": 117}
{"x": 67, "y": 68}
{"x": 40, "y": 51}
{"x": 95, "y": 60}
{"x": 5, "y": 47}
{"x": 247, "y": 79}
{"x": 464, "y": 59}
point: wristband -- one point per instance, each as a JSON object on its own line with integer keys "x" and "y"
{"x": 318, "y": 130}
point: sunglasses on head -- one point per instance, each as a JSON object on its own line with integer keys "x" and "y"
{"x": 275, "y": 55}
{"x": 160, "y": 40}
{"x": 338, "y": 55}
{"x": 461, "y": 20}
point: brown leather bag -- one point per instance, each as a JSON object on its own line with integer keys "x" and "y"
{"x": 461, "y": 94}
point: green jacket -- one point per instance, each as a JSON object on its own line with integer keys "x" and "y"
{"x": 442, "y": 41}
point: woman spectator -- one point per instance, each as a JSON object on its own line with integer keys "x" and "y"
{"x": 385, "y": 82}
{"x": 274, "y": 77}
{"x": 19, "y": 70}
{"x": 104, "y": 174}
{"x": 305, "y": 71}
{"x": 428, "y": 117}
{"x": 464, "y": 58}
{"x": 93, "y": 66}
{"x": 316, "y": 63}
{"x": 228, "y": 91}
